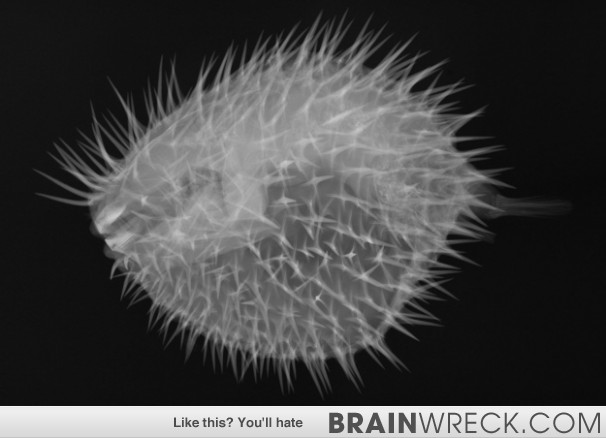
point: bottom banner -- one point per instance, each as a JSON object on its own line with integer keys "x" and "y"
{"x": 301, "y": 421}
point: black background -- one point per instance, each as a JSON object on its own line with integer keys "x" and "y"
{"x": 527, "y": 326}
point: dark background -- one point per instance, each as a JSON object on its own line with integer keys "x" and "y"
{"x": 527, "y": 325}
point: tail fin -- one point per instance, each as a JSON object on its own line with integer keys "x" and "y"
{"x": 492, "y": 205}
{"x": 532, "y": 206}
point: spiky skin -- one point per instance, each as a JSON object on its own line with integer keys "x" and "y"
{"x": 291, "y": 209}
